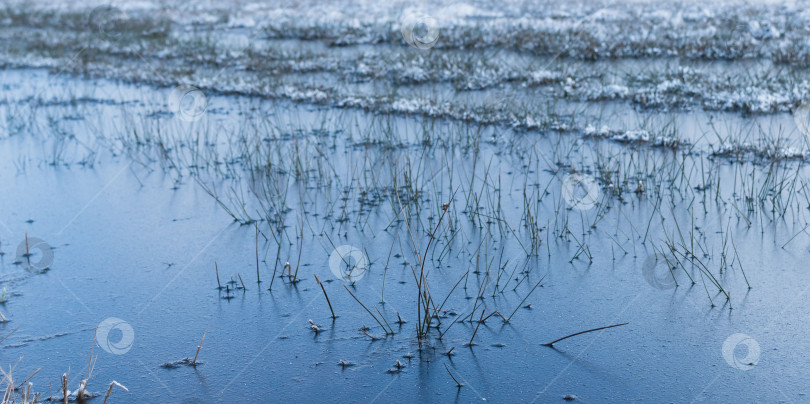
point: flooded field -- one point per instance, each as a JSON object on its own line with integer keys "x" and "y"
{"x": 520, "y": 202}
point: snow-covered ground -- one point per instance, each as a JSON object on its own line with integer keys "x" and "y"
{"x": 527, "y": 64}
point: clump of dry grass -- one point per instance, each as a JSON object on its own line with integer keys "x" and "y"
{"x": 23, "y": 393}
{"x": 18, "y": 394}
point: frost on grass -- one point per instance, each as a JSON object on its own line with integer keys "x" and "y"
{"x": 653, "y": 55}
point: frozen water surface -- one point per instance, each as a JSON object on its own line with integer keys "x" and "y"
{"x": 562, "y": 167}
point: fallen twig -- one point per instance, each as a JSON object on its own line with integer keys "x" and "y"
{"x": 583, "y": 332}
